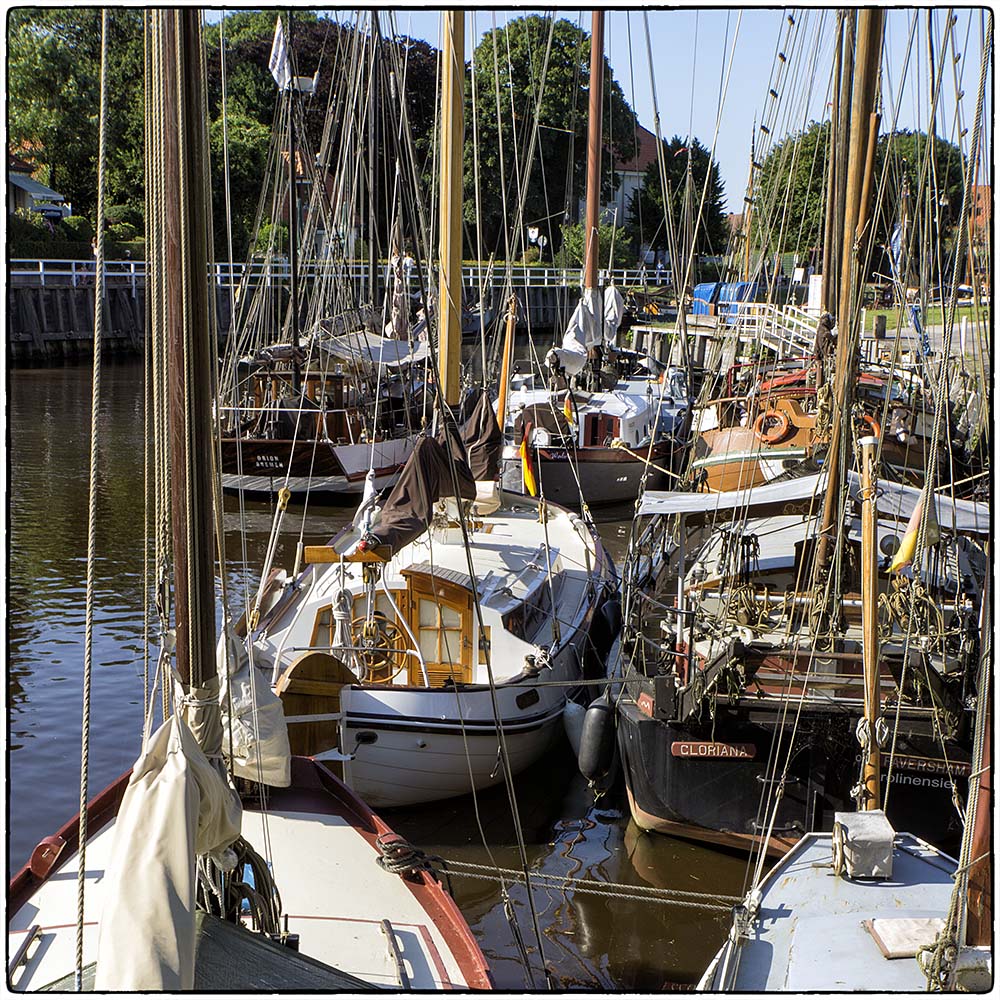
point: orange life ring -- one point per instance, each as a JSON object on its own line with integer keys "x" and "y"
{"x": 874, "y": 426}
{"x": 775, "y": 434}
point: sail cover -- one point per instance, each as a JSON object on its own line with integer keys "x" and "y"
{"x": 253, "y": 720}
{"x": 586, "y": 330}
{"x": 481, "y": 435}
{"x": 371, "y": 349}
{"x": 177, "y": 806}
{"x": 425, "y": 478}
{"x": 894, "y": 500}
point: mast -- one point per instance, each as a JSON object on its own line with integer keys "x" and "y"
{"x": 293, "y": 207}
{"x": 184, "y": 243}
{"x": 871, "y": 788}
{"x": 864, "y": 129}
{"x": 450, "y": 240}
{"x": 594, "y": 134}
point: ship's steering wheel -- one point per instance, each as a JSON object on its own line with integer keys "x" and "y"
{"x": 379, "y": 648}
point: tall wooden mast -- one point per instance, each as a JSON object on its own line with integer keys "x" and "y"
{"x": 182, "y": 242}
{"x": 450, "y": 242}
{"x": 864, "y": 131}
{"x": 594, "y": 135}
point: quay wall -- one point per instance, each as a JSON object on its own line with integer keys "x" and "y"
{"x": 55, "y": 322}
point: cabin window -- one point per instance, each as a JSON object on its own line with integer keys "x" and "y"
{"x": 441, "y": 619}
{"x": 600, "y": 429}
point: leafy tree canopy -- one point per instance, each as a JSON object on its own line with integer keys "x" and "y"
{"x": 514, "y": 56}
{"x": 686, "y": 164}
{"x": 791, "y": 188}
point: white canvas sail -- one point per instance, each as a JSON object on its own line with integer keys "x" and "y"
{"x": 585, "y": 330}
{"x": 177, "y": 806}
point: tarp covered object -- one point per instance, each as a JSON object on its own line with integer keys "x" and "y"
{"x": 259, "y": 734}
{"x": 177, "y": 806}
{"x": 481, "y": 435}
{"x": 425, "y": 478}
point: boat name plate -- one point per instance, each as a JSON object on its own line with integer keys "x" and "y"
{"x": 688, "y": 748}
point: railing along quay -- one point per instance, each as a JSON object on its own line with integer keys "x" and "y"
{"x": 133, "y": 272}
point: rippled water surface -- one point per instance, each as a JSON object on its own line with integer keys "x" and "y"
{"x": 595, "y": 942}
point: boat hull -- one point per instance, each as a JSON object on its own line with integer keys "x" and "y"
{"x": 429, "y": 744}
{"x": 606, "y": 475}
{"x": 317, "y": 817}
{"x": 707, "y": 781}
{"x": 263, "y": 466}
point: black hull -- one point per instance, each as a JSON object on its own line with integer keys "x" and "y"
{"x": 719, "y": 799}
{"x": 607, "y": 476}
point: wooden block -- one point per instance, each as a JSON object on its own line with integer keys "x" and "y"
{"x": 327, "y": 554}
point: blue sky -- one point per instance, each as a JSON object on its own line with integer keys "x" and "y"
{"x": 692, "y": 50}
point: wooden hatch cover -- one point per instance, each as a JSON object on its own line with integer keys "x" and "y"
{"x": 311, "y": 685}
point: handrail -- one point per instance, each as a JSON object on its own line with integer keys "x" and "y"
{"x": 490, "y": 276}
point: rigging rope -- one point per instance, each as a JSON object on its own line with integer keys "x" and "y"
{"x": 95, "y": 408}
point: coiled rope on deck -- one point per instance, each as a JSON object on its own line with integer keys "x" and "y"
{"x": 88, "y": 642}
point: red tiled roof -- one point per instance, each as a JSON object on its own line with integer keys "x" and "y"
{"x": 646, "y": 154}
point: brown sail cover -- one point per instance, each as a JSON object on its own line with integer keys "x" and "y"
{"x": 425, "y": 478}
{"x": 481, "y": 435}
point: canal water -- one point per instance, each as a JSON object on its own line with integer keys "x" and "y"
{"x": 588, "y": 941}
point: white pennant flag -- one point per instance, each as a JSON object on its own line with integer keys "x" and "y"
{"x": 280, "y": 69}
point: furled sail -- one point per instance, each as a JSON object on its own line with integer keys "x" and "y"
{"x": 253, "y": 720}
{"x": 586, "y": 331}
{"x": 177, "y": 805}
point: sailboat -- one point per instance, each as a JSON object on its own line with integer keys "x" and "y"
{"x": 339, "y": 394}
{"x": 171, "y": 879}
{"x": 607, "y": 418}
{"x": 863, "y": 907}
{"x": 751, "y": 647}
{"x": 430, "y": 648}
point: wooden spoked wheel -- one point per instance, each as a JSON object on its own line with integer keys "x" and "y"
{"x": 379, "y": 648}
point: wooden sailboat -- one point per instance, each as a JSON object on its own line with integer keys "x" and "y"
{"x": 290, "y": 889}
{"x": 430, "y": 648}
{"x": 608, "y": 419}
{"x": 757, "y": 662}
{"x": 864, "y": 908}
{"x": 337, "y": 396}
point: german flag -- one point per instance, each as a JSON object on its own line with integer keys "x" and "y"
{"x": 568, "y": 409}
{"x": 527, "y": 464}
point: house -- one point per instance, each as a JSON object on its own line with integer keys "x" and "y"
{"x": 24, "y": 192}
{"x": 981, "y": 211}
{"x": 631, "y": 174}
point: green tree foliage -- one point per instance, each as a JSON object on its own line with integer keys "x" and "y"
{"x": 686, "y": 166}
{"x": 789, "y": 207}
{"x": 515, "y": 56}
{"x": 570, "y": 253}
{"x": 53, "y": 83}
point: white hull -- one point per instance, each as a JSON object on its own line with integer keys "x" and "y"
{"x": 447, "y": 747}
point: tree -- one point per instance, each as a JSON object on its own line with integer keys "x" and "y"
{"x": 514, "y": 56}
{"x": 789, "y": 204}
{"x": 686, "y": 165}
{"x": 53, "y": 65}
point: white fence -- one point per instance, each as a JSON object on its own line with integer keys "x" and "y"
{"x": 82, "y": 272}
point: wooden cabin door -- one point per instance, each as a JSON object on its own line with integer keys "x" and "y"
{"x": 441, "y": 620}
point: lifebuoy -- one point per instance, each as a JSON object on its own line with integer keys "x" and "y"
{"x": 776, "y": 433}
{"x": 872, "y": 424}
